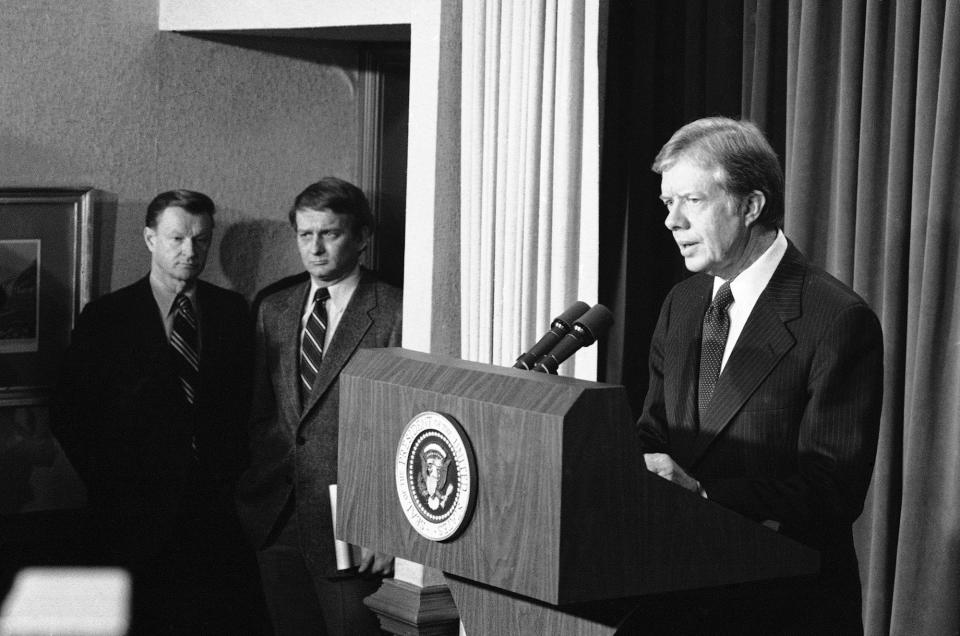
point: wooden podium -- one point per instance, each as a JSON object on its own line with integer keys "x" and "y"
{"x": 568, "y": 527}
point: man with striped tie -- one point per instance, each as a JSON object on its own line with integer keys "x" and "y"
{"x": 766, "y": 381}
{"x": 150, "y": 410}
{"x": 306, "y": 332}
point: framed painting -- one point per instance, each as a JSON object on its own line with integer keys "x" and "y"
{"x": 46, "y": 277}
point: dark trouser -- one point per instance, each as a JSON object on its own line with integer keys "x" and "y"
{"x": 777, "y": 607}
{"x": 199, "y": 575}
{"x": 300, "y": 605}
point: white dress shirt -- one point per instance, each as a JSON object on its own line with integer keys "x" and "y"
{"x": 340, "y": 294}
{"x": 747, "y": 287}
{"x": 168, "y": 310}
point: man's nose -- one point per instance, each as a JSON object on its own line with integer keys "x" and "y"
{"x": 318, "y": 246}
{"x": 675, "y": 219}
{"x": 188, "y": 247}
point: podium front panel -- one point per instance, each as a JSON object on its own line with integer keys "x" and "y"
{"x": 565, "y": 510}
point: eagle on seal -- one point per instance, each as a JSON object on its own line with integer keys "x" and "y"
{"x": 433, "y": 484}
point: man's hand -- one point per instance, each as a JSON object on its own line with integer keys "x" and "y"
{"x": 375, "y": 562}
{"x": 663, "y": 465}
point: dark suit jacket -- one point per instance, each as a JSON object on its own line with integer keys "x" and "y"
{"x": 121, "y": 417}
{"x": 297, "y": 451}
{"x": 791, "y": 432}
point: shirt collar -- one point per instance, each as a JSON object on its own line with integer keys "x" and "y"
{"x": 340, "y": 291}
{"x": 750, "y": 283}
{"x": 165, "y": 297}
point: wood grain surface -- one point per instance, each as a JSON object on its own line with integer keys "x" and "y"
{"x": 565, "y": 512}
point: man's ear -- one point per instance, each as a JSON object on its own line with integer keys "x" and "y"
{"x": 149, "y": 237}
{"x": 755, "y": 201}
{"x": 365, "y": 235}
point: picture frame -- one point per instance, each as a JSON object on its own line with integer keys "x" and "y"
{"x": 46, "y": 278}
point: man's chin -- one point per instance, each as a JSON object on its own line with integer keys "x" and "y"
{"x": 694, "y": 265}
{"x": 187, "y": 275}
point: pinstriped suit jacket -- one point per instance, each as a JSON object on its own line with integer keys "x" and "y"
{"x": 297, "y": 450}
{"x": 792, "y": 428}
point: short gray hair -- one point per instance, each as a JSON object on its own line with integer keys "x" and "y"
{"x": 740, "y": 150}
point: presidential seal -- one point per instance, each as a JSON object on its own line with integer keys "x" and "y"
{"x": 436, "y": 476}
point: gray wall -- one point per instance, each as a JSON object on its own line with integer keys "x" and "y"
{"x": 91, "y": 93}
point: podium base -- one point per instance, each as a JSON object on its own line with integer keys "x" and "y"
{"x": 410, "y": 610}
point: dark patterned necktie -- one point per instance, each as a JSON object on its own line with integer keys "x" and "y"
{"x": 311, "y": 347}
{"x": 716, "y": 326}
{"x": 183, "y": 339}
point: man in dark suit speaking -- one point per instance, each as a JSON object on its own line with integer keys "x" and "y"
{"x": 765, "y": 377}
{"x": 306, "y": 332}
{"x": 150, "y": 410}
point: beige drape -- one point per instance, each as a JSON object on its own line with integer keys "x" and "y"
{"x": 873, "y": 195}
{"x": 529, "y": 172}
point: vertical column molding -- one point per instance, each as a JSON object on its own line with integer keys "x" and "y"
{"x": 370, "y": 106}
{"x": 431, "y": 318}
{"x": 416, "y": 600}
{"x": 383, "y": 114}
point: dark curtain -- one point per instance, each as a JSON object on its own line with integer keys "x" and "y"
{"x": 873, "y": 195}
{"x": 862, "y": 101}
{"x": 668, "y": 62}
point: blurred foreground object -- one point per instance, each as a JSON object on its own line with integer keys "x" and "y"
{"x": 67, "y": 601}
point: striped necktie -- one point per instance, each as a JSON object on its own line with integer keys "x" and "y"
{"x": 183, "y": 339}
{"x": 311, "y": 346}
{"x": 716, "y": 327}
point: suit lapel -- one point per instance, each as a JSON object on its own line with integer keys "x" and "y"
{"x": 149, "y": 325}
{"x": 210, "y": 334}
{"x": 354, "y": 324}
{"x": 154, "y": 351}
{"x": 149, "y": 314}
{"x": 289, "y": 311}
{"x": 690, "y": 322}
{"x": 764, "y": 341}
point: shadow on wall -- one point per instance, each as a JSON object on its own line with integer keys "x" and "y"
{"x": 255, "y": 253}
{"x": 339, "y": 55}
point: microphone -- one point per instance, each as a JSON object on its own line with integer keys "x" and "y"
{"x": 584, "y": 333}
{"x": 560, "y": 326}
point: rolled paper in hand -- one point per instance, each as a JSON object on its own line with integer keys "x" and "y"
{"x": 341, "y": 548}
